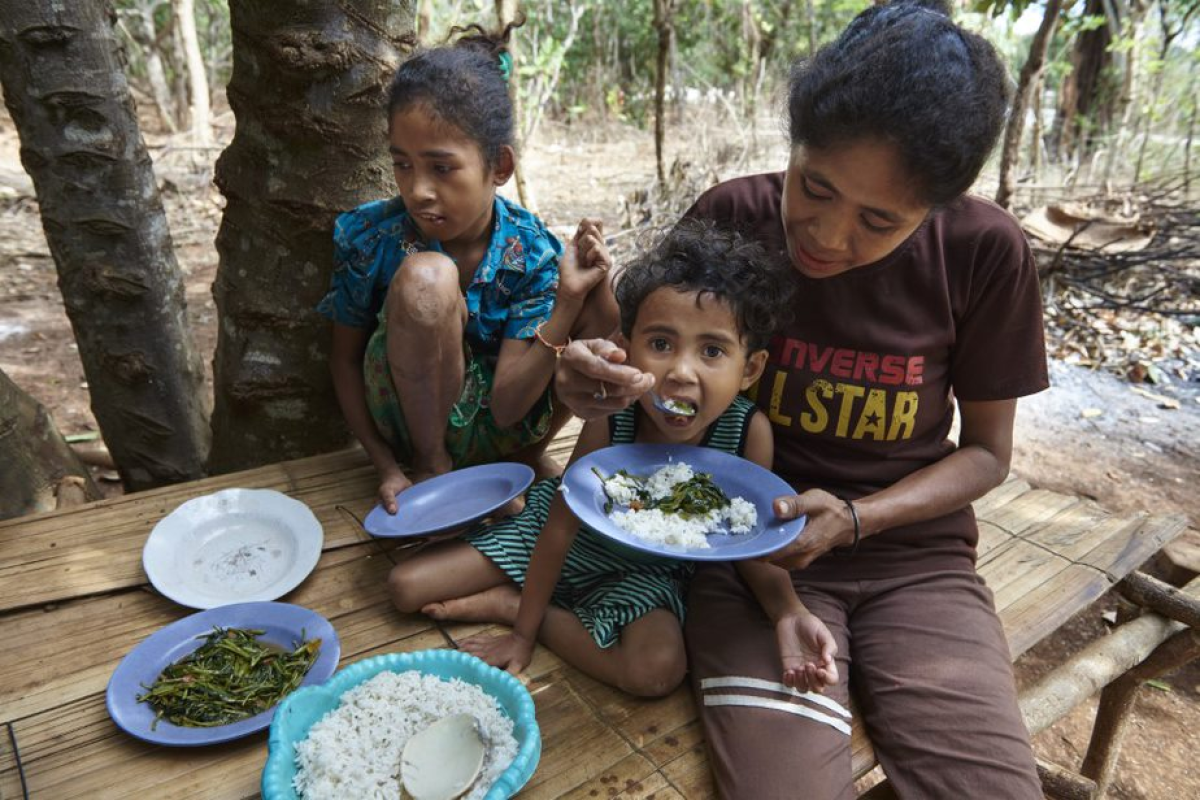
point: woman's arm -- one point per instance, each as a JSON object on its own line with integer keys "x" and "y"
{"x": 980, "y": 463}
{"x": 526, "y": 366}
{"x": 345, "y": 366}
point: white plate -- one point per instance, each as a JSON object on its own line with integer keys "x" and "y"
{"x": 233, "y": 546}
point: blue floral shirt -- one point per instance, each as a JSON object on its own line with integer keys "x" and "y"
{"x": 511, "y": 294}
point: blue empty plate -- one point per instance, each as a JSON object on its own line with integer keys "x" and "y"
{"x": 450, "y": 501}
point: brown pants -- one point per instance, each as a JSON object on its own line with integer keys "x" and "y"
{"x": 931, "y": 674}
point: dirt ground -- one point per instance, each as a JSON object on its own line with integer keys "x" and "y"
{"x": 1091, "y": 434}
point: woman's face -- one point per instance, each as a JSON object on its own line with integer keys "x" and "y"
{"x": 848, "y": 206}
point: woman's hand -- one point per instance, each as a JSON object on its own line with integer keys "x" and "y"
{"x": 829, "y": 525}
{"x": 509, "y": 652}
{"x": 807, "y": 649}
{"x": 584, "y": 263}
{"x": 393, "y": 482}
{"x": 593, "y": 380}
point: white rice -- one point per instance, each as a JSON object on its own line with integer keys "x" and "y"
{"x": 660, "y": 528}
{"x": 354, "y": 750}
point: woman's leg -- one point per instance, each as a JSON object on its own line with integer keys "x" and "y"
{"x": 426, "y": 317}
{"x": 934, "y": 678}
{"x": 765, "y": 740}
{"x": 446, "y": 570}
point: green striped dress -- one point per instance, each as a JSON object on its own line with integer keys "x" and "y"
{"x": 604, "y": 583}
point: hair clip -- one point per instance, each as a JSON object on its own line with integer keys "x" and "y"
{"x": 506, "y": 65}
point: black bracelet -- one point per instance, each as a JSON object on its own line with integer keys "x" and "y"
{"x": 853, "y": 547}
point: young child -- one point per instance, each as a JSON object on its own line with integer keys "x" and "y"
{"x": 450, "y": 303}
{"x": 697, "y": 312}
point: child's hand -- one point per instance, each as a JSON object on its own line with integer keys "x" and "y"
{"x": 589, "y": 243}
{"x": 508, "y": 652}
{"x": 584, "y": 262}
{"x": 393, "y": 483}
{"x": 806, "y": 648}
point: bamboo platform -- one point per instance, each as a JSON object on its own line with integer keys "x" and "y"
{"x": 74, "y": 600}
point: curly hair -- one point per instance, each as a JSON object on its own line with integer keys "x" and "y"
{"x": 463, "y": 83}
{"x": 697, "y": 256}
{"x": 904, "y": 72}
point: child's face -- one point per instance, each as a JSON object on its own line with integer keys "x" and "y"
{"x": 697, "y": 356}
{"x": 443, "y": 178}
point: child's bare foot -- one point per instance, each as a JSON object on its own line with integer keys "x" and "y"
{"x": 425, "y": 468}
{"x": 498, "y": 604}
{"x": 545, "y": 467}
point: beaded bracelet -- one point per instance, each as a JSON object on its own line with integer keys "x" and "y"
{"x": 557, "y": 348}
{"x": 853, "y": 547}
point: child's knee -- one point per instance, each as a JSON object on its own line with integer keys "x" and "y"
{"x": 656, "y": 672}
{"x": 403, "y": 589}
{"x": 424, "y": 291}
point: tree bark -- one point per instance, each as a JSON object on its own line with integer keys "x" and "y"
{"x": 1030, "y": 73}
{"x": 1084, "y": 90}
{"x": 35, "y": 456}
{"x": 506, "y": 12}
{"x": 309, "y": 92}
{"x": 663, "y": 12}
{"x": 61, "y": 68}
{"x": 201, "y": 125}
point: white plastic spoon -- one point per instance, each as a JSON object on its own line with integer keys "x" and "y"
{"x": 442, "y": 761}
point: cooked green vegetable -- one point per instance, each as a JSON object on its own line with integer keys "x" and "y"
{"x": 230, "y": 677}
{"x": 694, "y": 497}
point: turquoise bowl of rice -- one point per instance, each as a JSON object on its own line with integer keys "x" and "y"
{"x": 343, "y": 738}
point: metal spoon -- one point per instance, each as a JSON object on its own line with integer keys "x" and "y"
{"x": 676, "y": 407}
{"x": 443, "y": 761}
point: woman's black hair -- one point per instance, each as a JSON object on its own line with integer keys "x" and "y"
{"x": 906, "y": 73}
{"x": 464, "y": 83}
{"x": 697, "y": 256}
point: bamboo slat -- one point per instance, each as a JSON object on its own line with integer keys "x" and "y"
{"x": 1045, "y": 556}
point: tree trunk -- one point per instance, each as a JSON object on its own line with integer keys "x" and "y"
{"x": 663, "y": 11}
{"x": 155, "y": 74}
{"x": 61, "y": 69}
{"x": 36, "y": 459}
{"x": 309, "y": 92}
{"x": 201, "y": 125}
{"x": 1083, "y": 104}
{"x": 506, "y": 12}
{"x": 1030, "y": 73}
{"x": 425, "y": 19}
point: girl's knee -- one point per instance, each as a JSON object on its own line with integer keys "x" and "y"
{"x": 656, "y": 672}
{"x": 424, "y": 291}
{"x": 403, "y": 589}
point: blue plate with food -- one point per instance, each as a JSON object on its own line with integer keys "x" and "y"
{"x": 679, "y": 501}
{"x": 450, "y": 501}
{"x": 220, "y": 674}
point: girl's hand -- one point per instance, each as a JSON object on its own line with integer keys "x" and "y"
{"x": 510, "y": 652}
{"x": 584, "y": 263}
{"x": 393, "y": 483}
{"x": 807, "y": 650}
{"x": 589, "y": 244}
{"x": 593, "y": 381}
{"x": 829, "y": 525}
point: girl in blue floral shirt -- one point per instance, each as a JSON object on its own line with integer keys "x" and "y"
{"x": 450, "y": 303}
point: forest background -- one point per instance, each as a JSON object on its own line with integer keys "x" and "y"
{"x": 170, "y": 171}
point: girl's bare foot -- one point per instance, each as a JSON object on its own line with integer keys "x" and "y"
{"x": 498, "y": 604}
{"x": 431, "y": 467}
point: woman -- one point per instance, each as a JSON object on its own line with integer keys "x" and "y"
{"x": 912, "y": 296}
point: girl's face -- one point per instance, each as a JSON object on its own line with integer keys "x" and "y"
{"x": 691, "y": 344}
{"x": 445, "y": 183}
{"x": 847, "y": 206}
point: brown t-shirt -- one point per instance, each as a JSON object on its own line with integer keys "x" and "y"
{"x": 859, "y": 387}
